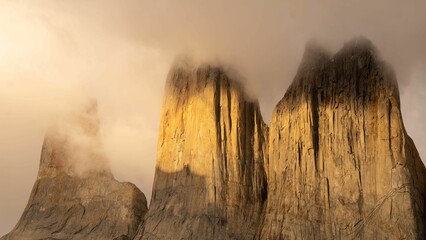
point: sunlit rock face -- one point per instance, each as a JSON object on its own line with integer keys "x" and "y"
{"x": 210, "y": 181}
{"x": 341, "y": 165}
{"x": 75, "y": 195}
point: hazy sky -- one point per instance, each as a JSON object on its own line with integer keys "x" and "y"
{"x": 55, "y": 52}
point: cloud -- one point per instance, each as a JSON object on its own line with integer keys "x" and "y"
{"x": 52, "y": 53}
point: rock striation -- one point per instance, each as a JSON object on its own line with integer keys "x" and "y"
{"x": 336, "y": 162}
{"x": 341, "y": 165}
{"x": 210, "y": 181}
{"x": 75, "y": 195}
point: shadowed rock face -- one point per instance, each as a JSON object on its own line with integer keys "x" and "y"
{"x": 75, "y": 195}
{"x": 210, "y": 181}
{"x": 341, "y": 165}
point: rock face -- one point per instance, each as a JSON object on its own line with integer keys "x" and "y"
{"x": 75, "y": 195}
{"x": 341, "y": 165}
{"x": 210, "y": 181}
{"x": 336, "y": 163}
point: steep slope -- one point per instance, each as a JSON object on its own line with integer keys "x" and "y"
{"x": 75, "y": 195}
{"x": 341, "y": 163}
{"x": 210, "y": 181}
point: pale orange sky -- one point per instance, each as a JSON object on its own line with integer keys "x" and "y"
{"x": 55, "y": 53}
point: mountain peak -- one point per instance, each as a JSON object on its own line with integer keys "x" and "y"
{"x": 75, "y": 195}
{"x": 185, "y": 79}
{"x": 337, "y": 146}
{"x": 313, "y": 56}
{"x": 210, "y": 181}
{"x": 360, "y": 43}
{"x": 354, "y": 70}
{"x": 359, "y": 47}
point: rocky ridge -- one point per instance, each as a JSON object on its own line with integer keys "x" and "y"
{"x": 75, "y": 195}
{"x": 337, "y": 159}
{"x": 336, "y": 162}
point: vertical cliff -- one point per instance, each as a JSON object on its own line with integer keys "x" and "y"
{"x": 336, "y": 162}
{"x": 75, "y": 195}
{"x": 210, "y": 181}
{"x": 341, "y": 165}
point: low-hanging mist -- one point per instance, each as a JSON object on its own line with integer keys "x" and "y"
{"x": 53, "y": 54}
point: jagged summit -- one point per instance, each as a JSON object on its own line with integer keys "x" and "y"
{"x": 313, "y": 56}
{"x": 353, "y": 72}
{"x": 364, "y": 51}
{"x": 185, "y": 75}
{"x": 359, "y": 44}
